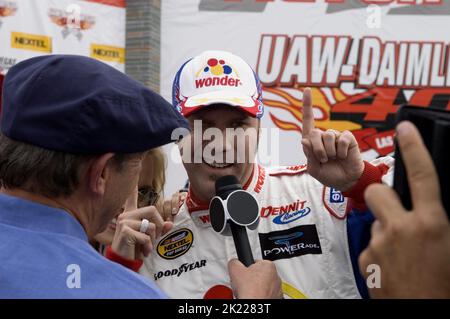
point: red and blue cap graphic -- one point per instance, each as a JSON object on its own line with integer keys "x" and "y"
{"x": 217, "y": 67}
{"x": 217, "y": 77}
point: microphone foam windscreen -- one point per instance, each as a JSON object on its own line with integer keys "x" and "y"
{"x": 227, "y": 184}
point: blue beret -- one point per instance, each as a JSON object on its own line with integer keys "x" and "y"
{"x": 79, "y": 105}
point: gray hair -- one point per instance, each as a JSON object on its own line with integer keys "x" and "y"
{"x": 42, "y": 171}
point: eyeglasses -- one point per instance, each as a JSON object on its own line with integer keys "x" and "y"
{"x": 147, "y": 196}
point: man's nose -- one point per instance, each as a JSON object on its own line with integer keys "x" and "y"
{"x": 224, "y": 147}
{"x": 228, "y": 142}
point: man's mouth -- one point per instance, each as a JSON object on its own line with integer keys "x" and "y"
{"x": 217, "y": 162}
{"x": 218, "y": 165}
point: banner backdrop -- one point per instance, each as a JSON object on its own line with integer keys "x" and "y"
{"x": 362, "y": 59}
{"x": 94, "y": 28}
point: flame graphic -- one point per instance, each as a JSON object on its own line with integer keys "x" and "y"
{"x": 322, "y": 108}
{"x": 7, "y": 8}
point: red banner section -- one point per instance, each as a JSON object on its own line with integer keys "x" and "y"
{"x": 115, "y": 3}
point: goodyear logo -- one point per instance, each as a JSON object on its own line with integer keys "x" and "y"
{"x": 31, "y": 42}
{"x": 175, "y": 244}
{"x": 108, "y": 53}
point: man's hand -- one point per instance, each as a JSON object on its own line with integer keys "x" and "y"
{"x": 259, "y": 281}
{"x": 333, "y": 157}
{"x": 128, "y": 241}
{"x": 412, "y": 248}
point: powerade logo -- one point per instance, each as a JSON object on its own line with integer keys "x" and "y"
{"x": 289, "y": 217}
{"x": 285, "y": 240}
{"x": 290, "y": 243}
{"x": 336, "y": 196}
{"x": 217, "y": 72}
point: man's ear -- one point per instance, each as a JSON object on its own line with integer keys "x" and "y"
{"x": 99, "y": 171}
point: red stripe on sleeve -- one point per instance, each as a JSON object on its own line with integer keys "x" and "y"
{"x": 134, "y": 265}
{"x": 371, "y": 174}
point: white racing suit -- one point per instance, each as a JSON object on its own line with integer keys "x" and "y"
{"x": 302, "y": 228}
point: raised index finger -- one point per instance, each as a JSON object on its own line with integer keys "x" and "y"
{"x": 308, "y": 115}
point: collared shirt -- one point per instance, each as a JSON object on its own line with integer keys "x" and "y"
{"x": 44, "y": 253}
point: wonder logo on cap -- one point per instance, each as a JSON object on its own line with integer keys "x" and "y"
{"x": 217, "y": 77}
{"x": 215, "y": 73}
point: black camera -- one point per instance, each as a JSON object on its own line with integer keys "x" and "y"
{"x": 434, "y": 127}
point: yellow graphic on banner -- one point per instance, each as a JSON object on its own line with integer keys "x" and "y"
{"x": 108, "y": 53}
{"x": 31, "y": 42}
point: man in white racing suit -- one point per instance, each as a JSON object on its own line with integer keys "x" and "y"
{"x": 303, "y": 223}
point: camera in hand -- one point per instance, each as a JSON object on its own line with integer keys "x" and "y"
{"x": 434, "y": 127}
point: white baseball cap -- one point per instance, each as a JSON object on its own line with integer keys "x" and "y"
{"x": 215, "y": 77}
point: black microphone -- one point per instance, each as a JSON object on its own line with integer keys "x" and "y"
{"x": 241, "y": 210}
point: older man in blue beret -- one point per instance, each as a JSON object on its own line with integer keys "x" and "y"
{"x": 73, "y": 134}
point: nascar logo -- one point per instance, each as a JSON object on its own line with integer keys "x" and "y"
{"x": 175, "y": 244}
